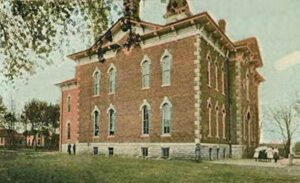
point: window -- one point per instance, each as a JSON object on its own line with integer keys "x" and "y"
{"x": 96, "y": 78}
{"x": 208, "y": 58}
{"x": 111, "y": 151}
{"x": 68, "y": 131}
{"x": 112, "y": 80}
{"x": 146, "y": 74}
{"x": 216, "y": 75}
{"x": 166, "y": 71}
{"x": 249, "y": 127}
{"x": 145, "y": 151}
{"x": 165, "y": 152}
{"x": 223, "y": 80}
{"x": 217, "y": 120}
{"x": 112, "y": 122}
{"x": 146, "y": 120}
{"x": 247, "y": 84}
{"x": 166, "y": 118}
{"x": 210, "y": 153}
{"x": 1, "y": 141}
{"x": 209, "y": 107}
{"x": 39, "y": 142}
{"x": 224, "y": 122}
{"x": 69, "y": 104}
{"x": 96, "y": 123}
{"x": 95, "y": 150}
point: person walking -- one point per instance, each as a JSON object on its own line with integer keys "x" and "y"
{"x": 275, "y": 154}
{"x": 69, "y": 149}
{"x": 74, "y": 149}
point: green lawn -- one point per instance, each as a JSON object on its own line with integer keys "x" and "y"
{"x": 55, "y": 167}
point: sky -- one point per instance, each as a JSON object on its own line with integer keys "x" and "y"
{"x": 275, "y": 23}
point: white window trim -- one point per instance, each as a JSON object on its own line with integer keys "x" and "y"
{"x": 166, "y": 101}
{"x": 168, "y": 54}
{"x": 97, "y": 70}
{"x": 223, "y": 80}
{"x": 146, "y": 103}
{"x": 146, "y": 59}
{"x": 68, "y": 123}
{"x": 247, "y": 85}
{"x": 68, "y": 102}
{"x": 217, "y": 109}
{"x": 209, "y": 106}
{"x": 111, "y": 107}
{"x": 224, "y": 121}
{"x": 112, "y": 66}
{"x": 93, "y": 119}
{"x": 217, "y": 75}
{"x": 208, "y": 58}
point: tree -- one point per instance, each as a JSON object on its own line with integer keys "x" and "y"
{"x": 34, "y": 114}
{"x": 10, "y": 124}
{"x": 31, "y": 30}
{"x": 41, "y": 118}
{"x": 284, "y": 119}
{"x": 3, "y": 110}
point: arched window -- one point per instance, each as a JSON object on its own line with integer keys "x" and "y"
{"x": 96, "y": 78}
{"x": 68, "y": 103}
{"x": 166, "y": 77}
{"x": 166, "y": 108}
{"x": 146, "y": 74}
{"x": 68, "y": 130}
{"x": 249, "y": 127}
{"x": 96, "y": 123}
{"x": 208, "y": 58}
{"x": 216, "y": 75}
{"x": 224, "y": 122}
{"x": 247, "y": 84}
{"x": 112, "y": 79}
{"x": 146, "y": 120}
{"x": 217, "y": 119}
{"x": 166, "y": 118}
{"x": 209, "y": 107}
{"x": 223, "y": 80}
{"x": 112, "y": 122}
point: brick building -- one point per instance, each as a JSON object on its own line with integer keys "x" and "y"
{"x": 185, "y": 83}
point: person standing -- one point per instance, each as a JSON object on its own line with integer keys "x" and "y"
{"x": 275, "y": 154}
{"x": 69, "y": 149}
{"x": 74, "y": 149}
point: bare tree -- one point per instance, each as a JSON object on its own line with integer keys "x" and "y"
{"x": 284, "y": 121}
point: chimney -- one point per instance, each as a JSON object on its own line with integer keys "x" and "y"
{"x": 222, "y": 25}
{"x": 132, "y": 9}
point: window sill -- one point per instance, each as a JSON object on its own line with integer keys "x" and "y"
{"x": 165, "y": 135}
{"x": 111, "y": 93}
{"x": 145, "y": 136}
{"x": 94, "y": 96}
{"x": 208, "y": 85}
{"x": 166, "y": 85}
{"x": 209, "y": 136}
{"x": 96, "y": 137}
{"x": 146, "y": 88}
{"x": 111, "y": 136}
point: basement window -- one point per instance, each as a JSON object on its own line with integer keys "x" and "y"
{"x": 145, "y": 152}
{"x": 165, "y": 153}
{"x": 95, "y": 150}
{"x": 111, "y": 151}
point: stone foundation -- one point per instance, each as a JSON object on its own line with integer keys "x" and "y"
{"x": 176, "y": 150}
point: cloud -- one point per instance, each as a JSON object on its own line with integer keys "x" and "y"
{"x": 288, "y": 61}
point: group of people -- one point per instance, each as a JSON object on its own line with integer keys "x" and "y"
{"x": 70, "y": 147}
{"x": 266, "y": 154}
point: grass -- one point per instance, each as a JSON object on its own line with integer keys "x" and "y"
{"x": 56, "y": 168}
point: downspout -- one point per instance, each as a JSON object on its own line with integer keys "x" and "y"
{"x": 60, "y": 124}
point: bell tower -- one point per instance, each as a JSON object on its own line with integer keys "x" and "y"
{"x": 176, "y": 10}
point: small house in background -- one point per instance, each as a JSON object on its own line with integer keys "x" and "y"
{"x": 11, "y": 137}
{"x": 40, "y": 140}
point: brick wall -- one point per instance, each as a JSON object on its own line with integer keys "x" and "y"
{"x": 129, "y": 95}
